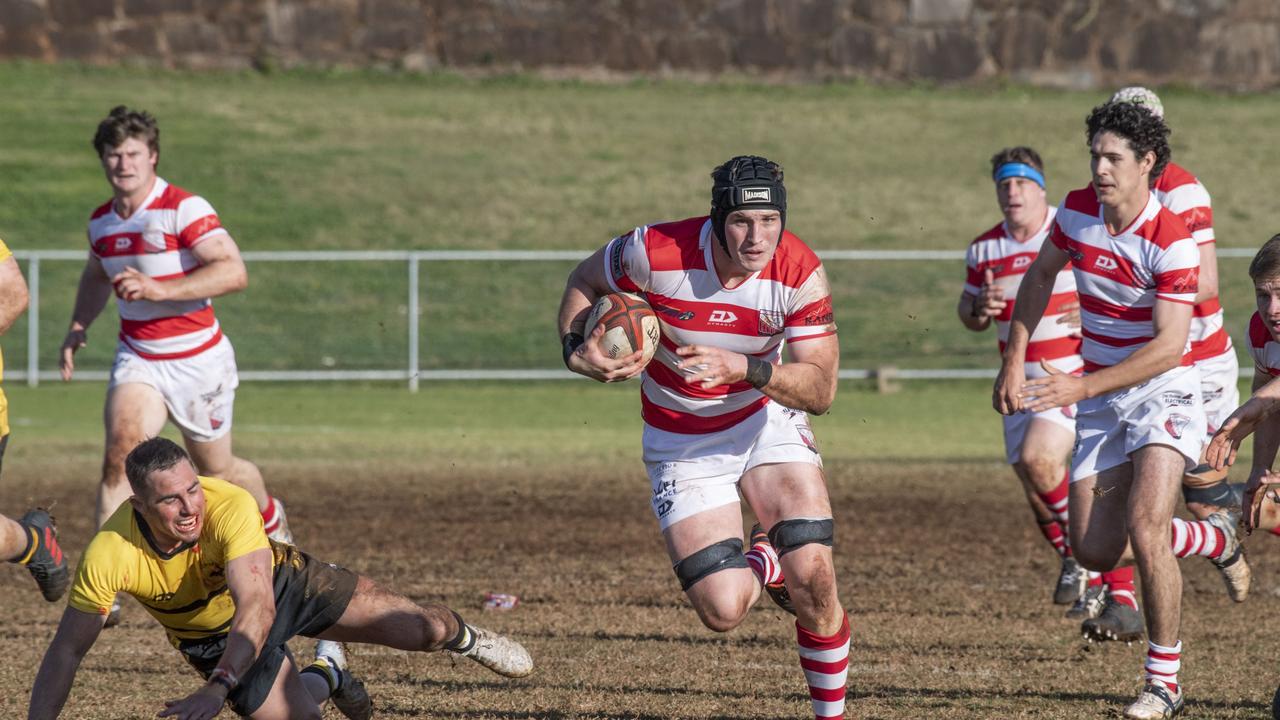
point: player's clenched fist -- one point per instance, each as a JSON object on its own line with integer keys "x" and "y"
{"x": 990, "y": 302}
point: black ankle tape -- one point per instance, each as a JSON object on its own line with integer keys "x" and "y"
{"x": 456, "y": 644}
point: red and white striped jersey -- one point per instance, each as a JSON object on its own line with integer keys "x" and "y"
{"x": 1263, "y": 348}
{"x": 157, "y": 240}
{"x": 1183, "y": 194}
{"x": 671, "y": 265}
{"x": 1120, "y": 277}
{"x": 1008, "y": 260}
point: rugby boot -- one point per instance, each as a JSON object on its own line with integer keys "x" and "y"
{"x": 1232, "y": 563}
{"x": 1117, "y": 621}
{"x": 1089, "y": 604}
{"x": 1072, "y": 580}
{"x": 777, "y": 590}
{"x": 497, "y": 652}
{"x": 281, "y": 534}
{"x": 43, "y": 558}
{"x": 1154, "y": 702}
{"x": 350, "y": 697}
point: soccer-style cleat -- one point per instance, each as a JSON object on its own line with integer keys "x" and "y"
{"x": 44, "y": 559}
{"x": 1089, "y": 604}
{"x": 777, "y": 591}
{"x": 1154, "y": 702}
{"x": 1117, "y": 621}
{"x": 281, "y": 534}
{"x": 113, "y": 617}
{"x": 499, "y": 653}
{"x": 1232, "y": 563}
{"x": 1072, "y": 581}
{"x": 350, "y": 698}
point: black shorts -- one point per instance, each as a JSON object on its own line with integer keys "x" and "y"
{"x": 311, "y": 596}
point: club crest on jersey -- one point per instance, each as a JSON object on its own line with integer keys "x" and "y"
{"x": 1176, "y": 424}
{"x": 722, "y": 317}
{"x": 769, "y": 322}
{"x": 153, "y": 238}
{"x": 806, "y": 436}
{"x": 756, "y": 195}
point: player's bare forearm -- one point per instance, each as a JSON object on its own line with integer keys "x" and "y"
{"x": 249, "y": 582}
{"x": 1208, "y": 278}
{"x": 802, "y": 386}
{"x": 76, "y": 633}
{"x": 1266, "y": 441}
{"x": 585, "y": 285}
{"x": 91, "y": 295}
{"x": 13, "y": 294}
{"x": 965, "y": 310}
{"x": 220, "y": 277}
{"x": 1171, "y": 322}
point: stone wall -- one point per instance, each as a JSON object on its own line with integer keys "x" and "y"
{"x": 1231, "y": 44}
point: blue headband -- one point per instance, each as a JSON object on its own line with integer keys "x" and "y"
{"x": 1022, "y": 170}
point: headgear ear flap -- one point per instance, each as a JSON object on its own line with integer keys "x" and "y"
{"x": 745, "y": 182}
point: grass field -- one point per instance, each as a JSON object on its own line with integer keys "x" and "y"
{"x": 343, "y": 160}
{"x": 537, "y": 490}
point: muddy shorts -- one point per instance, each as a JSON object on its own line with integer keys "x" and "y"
{"x": 311, "y": 596}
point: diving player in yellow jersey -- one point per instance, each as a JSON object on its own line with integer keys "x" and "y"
{"x": 31, "y": 541}
{"x": 193, "y": 552}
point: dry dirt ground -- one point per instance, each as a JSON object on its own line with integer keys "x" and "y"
{"x": 946, "y": 580}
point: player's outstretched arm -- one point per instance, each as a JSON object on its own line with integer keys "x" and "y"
{"x": 582, "y": 354}
{"x": 91, "y": 296}
{"x": 1250, "y": 417}
{"x": 249, "y": 582}
{"x": 13, "y": 293}
{"x": 77, "y": 631}
{"x": 221, "y": 272}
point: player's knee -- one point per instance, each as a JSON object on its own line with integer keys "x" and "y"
{"x": 1044, "y": 468}
{"x": 790, "y": 535}
{"x": 1095, "y": 558}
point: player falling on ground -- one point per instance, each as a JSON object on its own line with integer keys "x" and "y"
{"x": 31, "y": 541}
{"x": 1038, "y": 445}
{"x": 192, "y": 550}
{"x": 1258, "y": 415}
{"x": 723, "y": 416}
{"x": 164, "y": 253}
{"x": 1140, "y": 422}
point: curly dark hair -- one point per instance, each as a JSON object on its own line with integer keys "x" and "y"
{"x": 1019, "y": 154}
{"x": 1144, "y": 131}
{"x": 121, "y": 124}
{"x": 1266, "y": 264}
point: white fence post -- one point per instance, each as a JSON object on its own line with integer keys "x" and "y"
{"x": 33, "y": 322}
{"x": 413, "y": 322}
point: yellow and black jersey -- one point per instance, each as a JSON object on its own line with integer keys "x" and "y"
{"x": 185, "y": 590}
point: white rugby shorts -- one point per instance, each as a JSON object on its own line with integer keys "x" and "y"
{"x": 199, "y": 391}
{"x": 1219, "y": 388}
{"x": 690, "y": 473}
{"x": 1165, "y": 410}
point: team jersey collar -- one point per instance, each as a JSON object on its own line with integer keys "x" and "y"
{"x": 1148, "y": 212}
{"x": 156, "y": 190}
{"x": 151, "y": 540}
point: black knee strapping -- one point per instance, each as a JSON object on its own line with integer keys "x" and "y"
{"x": 711, "y": 559}
{"x": 793, "y": 534}
{"x": 1220, "y": 494}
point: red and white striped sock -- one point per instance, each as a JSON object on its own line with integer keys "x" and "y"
{"x": 763, "y": 560}
{"x": 1120, "y": 586}
{"x": 1163, "y": 664}
{"x": 1197, "y": 538}
{"x": 1057, "y": 502}
{"x": 1052, "y": 532}
{"x": 270, "y": 518}
{"x": 825, "y": 661}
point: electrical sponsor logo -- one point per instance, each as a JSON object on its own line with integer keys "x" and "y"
{"x": 1176, "y": 423}
{"x": 664, "y": 489}
{"x": 756, "y": 195}
{"x": 1173, "y": 398}
{"x": 722, "y": 317}
{"x": 1211, "y": 395}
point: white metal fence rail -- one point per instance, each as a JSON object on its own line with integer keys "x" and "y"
{"x": 413, "y": 259}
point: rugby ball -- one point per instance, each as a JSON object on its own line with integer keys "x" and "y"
{"x": 629, "y": 325}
